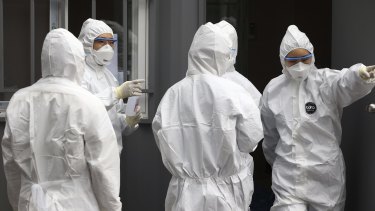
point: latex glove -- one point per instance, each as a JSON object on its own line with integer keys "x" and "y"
{"x": 367, "y": 73}
{"x": 129, "y": 88}
{"x": 134, "y": 120}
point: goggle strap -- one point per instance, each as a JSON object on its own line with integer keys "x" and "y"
{"x": 105, "y": 39}
{"x": 299, "y": 58}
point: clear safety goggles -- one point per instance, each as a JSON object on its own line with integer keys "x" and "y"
{"x": 105, "y": 40}
{"x": 299, "y": 58}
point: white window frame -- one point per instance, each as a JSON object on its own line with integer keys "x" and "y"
{"x": 140, "y": 51}
{"x": 58, "y": 14}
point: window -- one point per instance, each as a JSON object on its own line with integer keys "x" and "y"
{"x": 21, "y": 39}
{"x": 138, "y": 50}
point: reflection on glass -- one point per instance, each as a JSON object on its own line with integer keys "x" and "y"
{"x": 112, "y": 13}
{"x": 41, "y": 30}
{"x": 115, "y": 13}
{"x": 16, "y": 35}
{"x": 131, "y": 39}
{"x": 25, "y": 26}
{"x": 228, "y": 10}
{"x": 235, "y": 13}
{"x": 78, "y": 12}
{"x": 125, "y": 18}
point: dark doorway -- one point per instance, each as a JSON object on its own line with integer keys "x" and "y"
{"x": 261, "y": 26}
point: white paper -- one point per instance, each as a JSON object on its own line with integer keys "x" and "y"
{"x": 131, "y": 105}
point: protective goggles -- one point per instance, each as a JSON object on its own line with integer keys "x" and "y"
{"x": 298, "y": 58}
{"x": 110, "y": 41}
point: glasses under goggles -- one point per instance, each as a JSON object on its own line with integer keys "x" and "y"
{"x": 298, "y": 58}
{"x": 105, "y": 40}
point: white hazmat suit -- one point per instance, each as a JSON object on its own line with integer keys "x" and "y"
{"x": 232, "y": 74}
{"x": 302, "y": 131}
{"x": 205, "y": 127}
{"x": 59, "y": 147}
{"x": 101, "y": 82}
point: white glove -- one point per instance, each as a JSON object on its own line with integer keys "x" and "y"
{"x": 134, "y": 120}
{"x": 129, "y": 88}
{"x": 367, "y": 73}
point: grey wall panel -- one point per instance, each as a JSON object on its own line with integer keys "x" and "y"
{"x": 177, "y": 21}
{"x": 144, "y": 179}
{"x": 4, "y": 203}
{"x": 352, "y": 42}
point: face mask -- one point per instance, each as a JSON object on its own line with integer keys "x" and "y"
{"x": 233, "y": 54}
{"x": 299, "y": 71}
{"x": 104, "y": 55}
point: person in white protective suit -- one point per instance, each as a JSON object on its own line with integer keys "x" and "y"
{"x": 301, "y": 113}
{"x": 205, "y": 127}
{"x": 232, "y": 74}
{"x": 98, "y": 42}
{"x": 59, "y": 148}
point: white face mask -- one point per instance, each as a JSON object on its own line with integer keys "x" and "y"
{"x": 104, "y": 55}
{"x": 233, "y": 55}
{"x": 299, "y": 71}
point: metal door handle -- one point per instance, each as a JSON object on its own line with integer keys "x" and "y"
{"x": 149, "y": 91}
{"x": 370, "y": 108}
